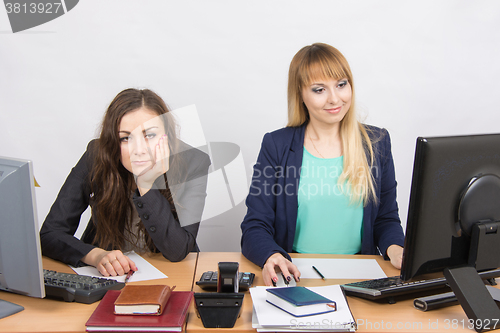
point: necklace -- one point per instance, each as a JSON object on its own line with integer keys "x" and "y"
{"x": 314, "y": 146}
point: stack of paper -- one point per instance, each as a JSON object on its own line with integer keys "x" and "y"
{"x": 268, "y": 318}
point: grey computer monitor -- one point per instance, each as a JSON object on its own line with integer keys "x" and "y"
{"x": 21, "y": 269}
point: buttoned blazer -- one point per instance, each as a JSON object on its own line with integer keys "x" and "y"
{"x": 170, "y": 237}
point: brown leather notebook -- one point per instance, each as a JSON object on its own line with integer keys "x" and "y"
{"x": 142, "y": 299}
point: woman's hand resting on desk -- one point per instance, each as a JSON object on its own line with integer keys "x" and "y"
{"x": 277, "y": 261}
{"x": 109, "y": 263}
{"x": 395, "y": 254}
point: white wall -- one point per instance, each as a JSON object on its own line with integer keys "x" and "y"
{"x": 421, "y": 68}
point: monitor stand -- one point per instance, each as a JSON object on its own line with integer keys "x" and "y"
{"x": 8, "y": 308}
{"x": 475, "y": 299}
{"x": 469, "y": 288}
{"x": 478, "y": 216}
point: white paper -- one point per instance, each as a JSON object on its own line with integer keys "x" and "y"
{"x": 366, "y": 269}
{"x": 255, "y": 324}
{"x": 268, "y": 316}
{"x": 145, "y": 271}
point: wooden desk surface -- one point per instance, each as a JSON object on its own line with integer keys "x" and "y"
{"x": 47, "y": 315}
{"x": 370, "y": 316}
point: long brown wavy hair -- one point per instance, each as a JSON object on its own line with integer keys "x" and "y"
{"x": 111, "y": 183}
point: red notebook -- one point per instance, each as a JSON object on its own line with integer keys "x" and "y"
{"x": 171, "y": 320}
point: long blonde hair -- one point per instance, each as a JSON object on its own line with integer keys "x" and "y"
{"x": 319, "y": 61}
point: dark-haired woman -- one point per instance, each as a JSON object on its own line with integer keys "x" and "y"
{"x": 145, "y": 187}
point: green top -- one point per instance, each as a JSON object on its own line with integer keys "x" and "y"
{"x": 326, "y": 220}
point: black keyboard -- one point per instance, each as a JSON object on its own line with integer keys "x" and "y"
{"x": 394, "y": 286}
{"x": 208, "y": 280}
{"x": 77, "y": 288}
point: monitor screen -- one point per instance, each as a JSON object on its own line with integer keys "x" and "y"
{"x": 456, "y": 183}
{"x": 21, "y": 269}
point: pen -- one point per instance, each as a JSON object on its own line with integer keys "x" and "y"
{"x": 129, "y": 274}
{"x": 319, "y": 273}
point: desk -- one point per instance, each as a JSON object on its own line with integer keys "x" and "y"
{"x": 371, "y": 316}
{"x": 47, "y": 315}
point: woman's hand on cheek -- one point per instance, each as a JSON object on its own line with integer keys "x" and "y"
{"x": 160, "y": 157}
{"x": 277, "y": 262}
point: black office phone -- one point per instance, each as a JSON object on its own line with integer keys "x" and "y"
{"x": 208, "y": 280}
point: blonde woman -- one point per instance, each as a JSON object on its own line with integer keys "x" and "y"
{"x": 326, "y": 182}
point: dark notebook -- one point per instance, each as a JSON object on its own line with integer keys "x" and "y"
{"x": 171, "y": 320}
{"x": 299, "y": 301}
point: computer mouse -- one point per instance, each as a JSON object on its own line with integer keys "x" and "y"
{"x": 281, "y": 281}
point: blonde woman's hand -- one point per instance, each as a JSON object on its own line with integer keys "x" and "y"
{"x": 160, "y": 157}
{"x": 277, "y": 262}
{"x": 395, "y": 254}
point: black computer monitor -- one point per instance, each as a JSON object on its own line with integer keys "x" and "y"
{"x": 21, "y": 269}
{"x": 454, "y": 212}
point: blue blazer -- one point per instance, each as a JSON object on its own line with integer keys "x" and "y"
{"x": 269, "y": 225}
